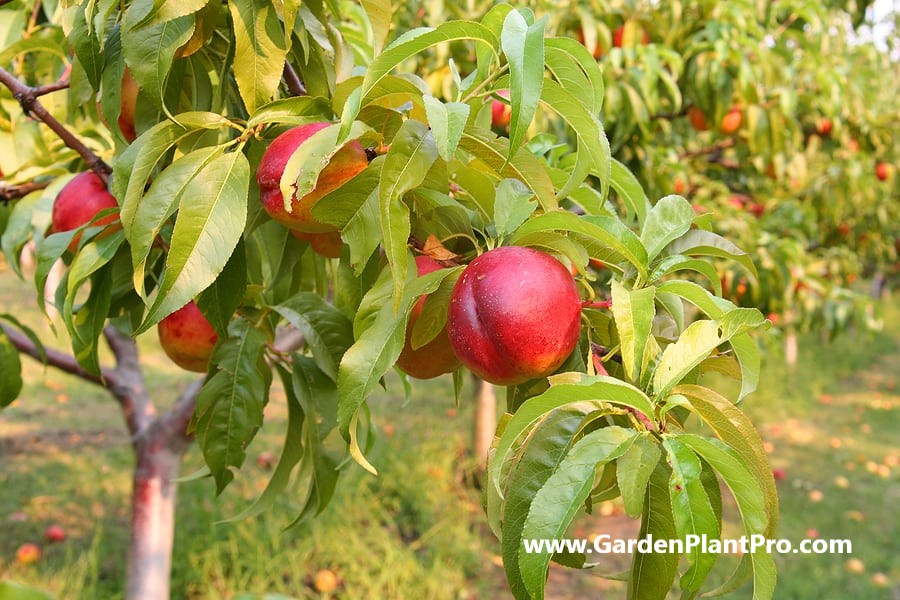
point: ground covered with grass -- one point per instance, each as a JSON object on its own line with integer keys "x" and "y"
{"x": 418, "y": 530}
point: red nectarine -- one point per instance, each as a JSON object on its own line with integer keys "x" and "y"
{"x": 188, "y": 338}
{"x": 343, "y": 166}
{"x": 436, "y": 357}
{"x": 731, "y": 122}
{"x": 327, "y": 244}
{"x": 515, "y": 315}
{"x": 79, "y": 201}
{"x": 501, "y": 112}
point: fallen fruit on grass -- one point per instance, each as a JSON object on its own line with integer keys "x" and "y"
{"x": 325, "y": 581}
{"x": 79, "y": 201}
{"x": 54, "y": 534}
{"x": 188, "y": 338}
{"x": 855, "y": 566}
{"x": 515, "y": 315}
{"x": 343, "y": 166}
{"x": 28, "y": 554}
{"x": 436, "y": 357}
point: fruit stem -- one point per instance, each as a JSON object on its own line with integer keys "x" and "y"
{"x": 597, "y": 304}
{"x": 491, "y": 78}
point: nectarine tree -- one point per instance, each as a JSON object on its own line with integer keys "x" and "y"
{"x": 571, "y": 275}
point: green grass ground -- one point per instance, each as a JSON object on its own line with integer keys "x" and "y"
{"x": 417, "y": 530}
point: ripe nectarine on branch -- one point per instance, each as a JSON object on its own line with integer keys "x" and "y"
{"x": 188, "y": 338}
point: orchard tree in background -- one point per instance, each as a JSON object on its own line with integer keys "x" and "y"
{"x": 315, "y": 193}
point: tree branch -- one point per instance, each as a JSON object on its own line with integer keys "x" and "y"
{"x": 129, "y": 387}
{"x": 27, "y": 97}
{"x": 717, "y": 147}
{"x": 292, "y": 80}
{"x": 57, "y": 359}
{"x": 14, "y": 192}
{"x": 172, "y": 426}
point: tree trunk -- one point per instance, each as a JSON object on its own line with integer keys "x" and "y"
{"x": 485, "y": 422}
{"x": 153, "y": 517}
{"x": 790, "y": 348}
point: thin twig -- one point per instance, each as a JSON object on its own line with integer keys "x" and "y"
{"x": 728, "y": 143}
{"x": 292, "y": 80}
{"x": 25, "y": 96}
{"x": 43, "y": 90}
{"x": 14, "y": 192}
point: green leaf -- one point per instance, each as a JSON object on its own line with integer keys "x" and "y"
{"x": 539, "y": 456}
{"x": 590, "y": 388}
{"x": 149, "y": 213}
{"x": 291, "y": 453}
{"x": 377, "y": 347}
{"x": 634, "y": 311}
{"x": 750, "y": 500}
{"x": 230, "y": 405}
{"x": 209, "y": 225}
{"x": 669, "y": 219}
{"x": 523, "y": 46}
{"x": 260, "y": 48}
{"x": 327, "y": 332}
{"x": 630, "y": 191}
{"x": 735, "y": 429}
{"x": 677, "y": 262}
{"x": 163, "y": 11}
{"x": 150, "y": 51}
{"x": 556, "y": 503}
{"x": 652, "y": 573}
{"x": 609, "y": 231}
{"x": 379, "y": 14}
{"x": 495, "y": 153}
{"x": 433, "y": 317}
{"x": 576, "y": 70}
{"x": 697, "y": 342}
{"x": 512, "y": 206}
{"x": 406, "y": 164}
{"x": 11, "y": 367}
{"x": 693, "y": 512}
{"x": 447, "y": 121}
{"x": 297, "y": 110}
{"x": 633, "y": 472}
{"x": 87, "y": 47}
{"x": 220, "y": 300}
{"x": 417, "y": 40}
{"x": 593, "y": 153}
{"x": 11, "y": 590}
{"x": 698, "y": 242}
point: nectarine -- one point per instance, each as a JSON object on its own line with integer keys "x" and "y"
{"x": 79, "y": 201}
{"x": 731, "y": 122}
{"x": 436, "y": 357}
{"x": 501, "y": 112}
{"x": 515, "y": 315}
{"x": 188, "y": 338}
{"x": 327, "y": 244}
{"x": 343, "y": 166}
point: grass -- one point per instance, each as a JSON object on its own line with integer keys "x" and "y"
{"x": 418, "y": 530}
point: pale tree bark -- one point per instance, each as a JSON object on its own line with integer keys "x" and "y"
{"x": 790, "y": 348}
{"x": 485, "y": 422}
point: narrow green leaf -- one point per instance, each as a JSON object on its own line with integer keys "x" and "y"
{"x": 669, "y": 219}
{"x": 693, "y": 512}
{"x": 698, "y": 242}
{"x": 633, "y": 470}
{"x": 379, "y": 14}
{"x": 220, "y": 300}
{"x": 447, "y": 121}
{"x": 630, "y": 191}
{"x": 512, "y": 206}
{"x": 230, "y": 404}
{"x": 652, "y": 573}
{"x": 634, "y": 311}
{"x": 523, "y": 46}
{"x": 209, "y": 224}
{"x": 495, "y": 153}
{"x": 11, "y": 367}
{"x": 327, "y": 332}
{"x": 556, "y": 503}
{"x": 412, "y": 153}
{"x": 260, "y": 48}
